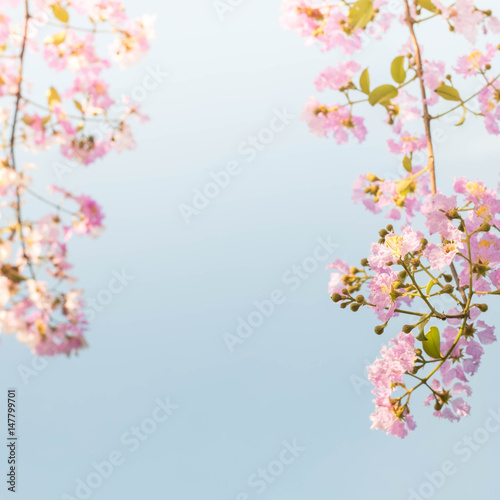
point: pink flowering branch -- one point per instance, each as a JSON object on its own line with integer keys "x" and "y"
{"x": 433, "y": 275}
{"x": 38, "y": 300}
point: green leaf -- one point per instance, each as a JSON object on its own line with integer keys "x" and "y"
{"x": 78, "y": 106}
{"x": 448, "y": 93}
{"x": 60, "y": 12}
{"x": 360, "y": 14}
{"x": 382, "y": 95}
{"x": 407, "y": 164}
{"x": 462, "y": 120}
{"x": 398, "y": 69}
{"x": 421, "y": 327}
{"x": 404, "y": 186}
{"x": 56, "y": 39}
{"x": 430, "y": 286}
{"x": 52, "y": 97}
{"x": 432, "y": 344}
{"x": 364, "y": 82}
{"x": 428, "y": 5}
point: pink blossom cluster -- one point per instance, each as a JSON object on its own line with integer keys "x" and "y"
{"x": 411, "y": 269}
{"x": 387, "y": 376}
{"x": 39, "y": 301}
{"x": 335, "y": 24}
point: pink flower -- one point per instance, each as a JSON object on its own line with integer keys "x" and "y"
{"x": 489, "y": 99}
{"x": 436, "y": 210}
{"x": 337, "y": 78}
{"x": 441, "y": 256}
{"x": 341, "y": 268}
{"x": 91, "y": 221}
{"x": 335, "y": 119}
{"x": 385, "y": 373}
{"x": 408, "y": 144}
{"x": 475, "y": 62}
{"x": 466, "y": 19}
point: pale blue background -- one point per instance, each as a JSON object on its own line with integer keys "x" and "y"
{"x": 163, "y": 335}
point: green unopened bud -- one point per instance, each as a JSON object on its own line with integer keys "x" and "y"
{"x": 448, "y": 289}
{"x": 343, "y": 305}
{"x": 448, "y": 278}
{"x": 408, "y": 328}
{"x": 424, "y": 242}
{"x": 372, "y": 177}
{"x": 365, "y": 263}
{"x": 418, "y": 352}
{"x": 485, "y": 227}
{"x": 336, "y": 297}
{"x": 438, "y": 406}
{"x": 360, "y": 299}
{"x": 379, "y": 330}
{"x": 402, "y": 275}
{"x": 383, "y": 233}
{"x": 482, "y": 307}
{"x": 390, "y": 228}
{"x": 355, "y": 307}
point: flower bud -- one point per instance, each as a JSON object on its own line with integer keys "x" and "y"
{"x": 485, "y": 227}
{"x": 438, "y": 406}
{"x": 390, "y": 228}
{"x": 360, "y": 299}
{"x": 355, "y": 307}
{"x": 418, "y": 352}
{"x": 482, "y": 307}
{"x": 365, "y": 263}
{"x": 343, "y": 305}
{"x": 408, "y": 328}
{"x": 372, "y": 177}
{"x": 448, "y": 278}
{"x": 336, "y": 297}
{"x": 448, "y": 289}
{"x": 379, "y": 330}
{"x": 402, "y": 275}
{"x": 383, "y": 233}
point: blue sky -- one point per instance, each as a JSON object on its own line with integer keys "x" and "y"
{"x": 297, "y": 382}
